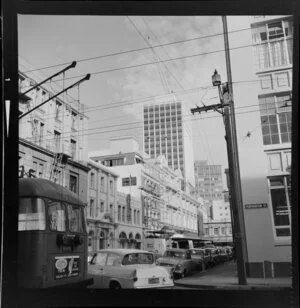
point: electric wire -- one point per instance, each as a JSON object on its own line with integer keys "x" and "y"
{"x": 136, "y": 127}
{"x": 138, "y": 49}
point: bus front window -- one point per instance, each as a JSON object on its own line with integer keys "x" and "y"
{"x": 75, "y": 215}
{"x": 31, "y": 214}
{"x": 56, "y": 216}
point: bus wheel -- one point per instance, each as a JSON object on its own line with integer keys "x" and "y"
{"x": 114, "y": 285}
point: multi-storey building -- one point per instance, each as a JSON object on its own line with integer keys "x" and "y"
{"x": 113, "y": 218}
{"x": 101, "y": 207}
{"x": 208, "y": 181}
{"x": 220, "y": 232}
{"x": 273, "y": 42}
{"x": 265, "y": 150}
{"x": 164, "y": 203}
{"x": 179, "y": 209}
{"x": 52, "y": 132}
{"x": 129, "y": 221}
{"x": 166, "y": 133}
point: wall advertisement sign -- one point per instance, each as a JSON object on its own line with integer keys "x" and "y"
{"x": 66, "y": 267}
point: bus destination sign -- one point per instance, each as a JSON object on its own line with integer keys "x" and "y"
{"x": 256, "y": 206}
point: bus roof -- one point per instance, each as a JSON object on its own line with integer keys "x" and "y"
{"x": 29, "y": 187}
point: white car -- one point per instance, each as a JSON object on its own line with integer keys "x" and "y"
{"x": 127, "y": 268}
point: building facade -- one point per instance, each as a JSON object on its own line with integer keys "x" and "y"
{"x": 220, "y": 232}
{"x": 208, "y": 181}
{"x": 265, "y": 150}
{"x": 158, "y": 187}
{"x": 51, "y": 133}
{"x": 166, "y": 133}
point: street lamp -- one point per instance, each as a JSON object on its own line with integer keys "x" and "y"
{"x": 216, "y": 79}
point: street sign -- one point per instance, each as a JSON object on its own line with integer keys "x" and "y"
{"x": 256, "y": 206}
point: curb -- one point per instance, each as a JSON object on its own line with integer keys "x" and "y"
{"x": 233, "y": 287}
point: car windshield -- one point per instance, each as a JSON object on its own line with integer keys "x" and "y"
{"x": 138, "y": 258}
{"x": 175, "y": 254}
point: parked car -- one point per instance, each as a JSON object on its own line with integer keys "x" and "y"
{"x": 200, "y": 257}
{"x": 179, "y": 261}
{"x": 222, "y": 254}
{"x": 229, "y": 251}
{"x": 128, "y": 268}
{"x": 213, "y": 256}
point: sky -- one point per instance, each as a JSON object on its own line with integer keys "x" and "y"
{"x": 114, "y": 96}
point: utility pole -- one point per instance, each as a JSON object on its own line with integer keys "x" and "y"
{"x": 227, "y": 110}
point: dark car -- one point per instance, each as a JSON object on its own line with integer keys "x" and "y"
{"x": 179, "y": 260}
{"x": 201, "y": 258}
{"x": 213, "y": 256}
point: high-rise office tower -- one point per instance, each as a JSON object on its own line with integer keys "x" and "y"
{"x": 166, "y": 133}
{"x": 208, "y": 181}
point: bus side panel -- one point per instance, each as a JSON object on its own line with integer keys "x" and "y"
{"x": 32, "y": 251}
{"x": 66, "y": 264}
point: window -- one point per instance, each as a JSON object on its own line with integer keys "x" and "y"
{"x": 73, "y": 184}
{"x": 57, "y": 140}
{"x": 101, "y": 206}
{"x": 111, "y": 187}
{"x": 56, "y": 216}
{"x": 73, "y": 149}
{"x": 111, "y": 210}
{"x": 41, "y": 133}
{"x": 31, "y": 214}
{"x": 275, "y": 30}
{"x": 216, "y": 231}
{"x": 273, "y": 44}
{"x": 131, "y": 181}
{"x": 281, "y": 204}
{"x": 276, "y": 118}
{"x": 92, "y": 204}
{"x": 138, "y": 258}
{"x": 102, "y": 185}
{"x": 123, "y": 214}
{"x": 75, "y": 218}
{"x": 119, "y": 213}
{"x": 100, "y": 258}
{"x": 58, "y": 107}
{"x": 113, "y": 259}
{"x": 73, "y": 119}
{"x": 92, "y": 183}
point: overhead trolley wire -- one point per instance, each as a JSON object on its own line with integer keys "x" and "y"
{"x": 138, "y": 49}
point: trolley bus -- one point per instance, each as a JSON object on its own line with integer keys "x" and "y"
{"x": 52, "y": 236}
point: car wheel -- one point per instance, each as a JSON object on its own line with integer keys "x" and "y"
{"x": 114, "y": 285}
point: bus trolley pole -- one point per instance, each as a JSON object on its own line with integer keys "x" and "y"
{"x": 87, "y": 77}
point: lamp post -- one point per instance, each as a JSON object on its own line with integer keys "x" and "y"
{"x": 225, "y": 95}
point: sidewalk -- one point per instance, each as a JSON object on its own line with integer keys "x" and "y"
{"x": 224, "y": 276}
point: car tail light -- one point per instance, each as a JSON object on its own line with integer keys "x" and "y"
{"x": 135, "y": 276}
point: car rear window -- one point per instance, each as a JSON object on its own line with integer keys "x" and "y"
{"x": 175, "y": 254}
{"x": 138, "y": 258}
